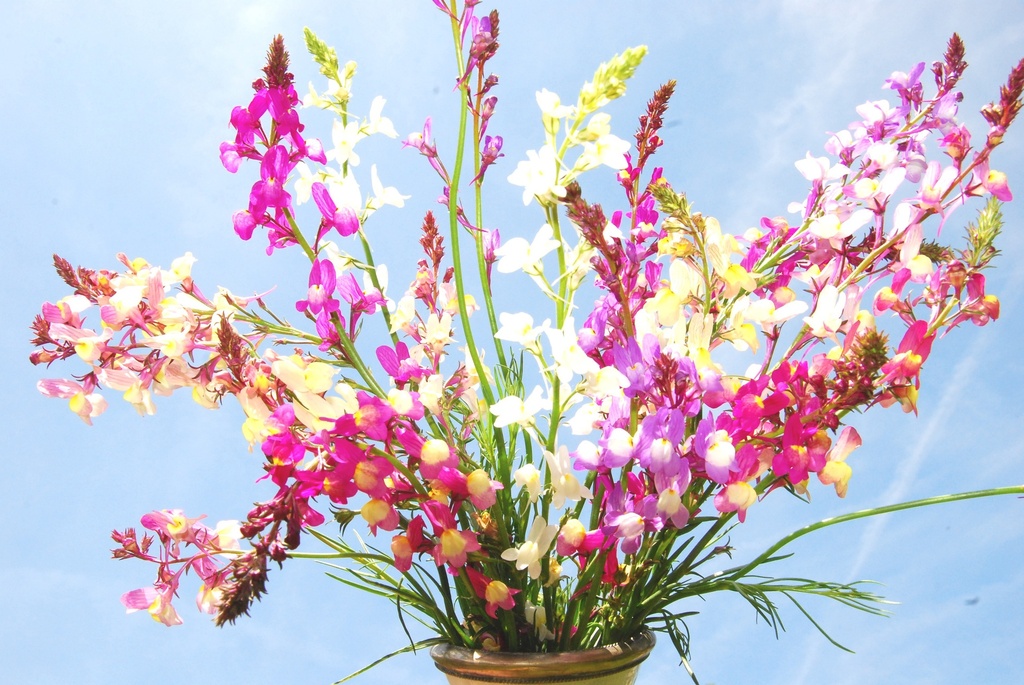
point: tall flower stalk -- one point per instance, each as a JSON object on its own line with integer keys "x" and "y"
{"x": 576, "y": 489}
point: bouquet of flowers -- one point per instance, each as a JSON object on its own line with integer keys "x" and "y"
{"x": 527, "y": 481}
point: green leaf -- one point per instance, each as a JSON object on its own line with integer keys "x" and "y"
{"x": 408, "y": 648}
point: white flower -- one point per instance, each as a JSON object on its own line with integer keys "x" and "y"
{"x": 378, "y": 124}
{"x": 519, "y": 328}
{"x": 827, "y": 317}
{"x": 569, "y": 357}
{"x": 538, "y": 618}
{"x": 767, "y": 314}
{"x": 812, "y": 168}
{"x": 345, "y": 137}
{"x": 173, "y": 343}
{"x": 431, "y": 390}
{"x": 381, "y": 195}
{"x": 304, "y": 183}
{"x": 528, "y": 477}
{"x": 529, "y": 554}
{"x": 829, "y": 226}
{"x": 586, "y": 419}
{"x": 607, "y": 381}
{"x": 882, "y": 153}
{"x": 513, "y": 409}
{"x": 437, "y": 333}
{"x": 608, "y": 150}
{"x": 403, "y": 314}
{"x": 564, "y": 484}
{"x": 181, "y": 268}
{"x": 539, "y": 176}
{"x": 519, "y": 255}
{"x": 552, "y": 110}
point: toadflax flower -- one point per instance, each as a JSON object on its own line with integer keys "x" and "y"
{"x": 538, "y": 175}
{"x": 529, "y": 554}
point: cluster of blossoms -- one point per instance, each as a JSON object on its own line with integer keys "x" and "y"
{"x": 567, "y": 505}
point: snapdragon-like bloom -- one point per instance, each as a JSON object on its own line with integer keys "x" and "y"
{"x": 538, "y": 176}
{"x": 342, "y": 219}
{"x": 836, "y": 471}
{"x": 827, "y": 317}
{"x": 514, "y": 409}
{"x": 529, "y": 554}
{"x": 495, "y": 593}
{"x": 564, "y": 483}
{"x": 155, "y": 600}
{"x": 322, "y": 283}
{"x": 86, "y": 404}
{"x": 528, "y": 478}
{"x": 738, "y": 497}
{"x": 269, "y": 192}
{"x": 519, "y": 255}
{"x": 453, "y": 545}
{"x": 717, "y": 450}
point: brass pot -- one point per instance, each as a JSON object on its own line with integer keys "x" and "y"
{"x": 615, "y": 664}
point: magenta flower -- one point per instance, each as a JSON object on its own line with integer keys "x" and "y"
{"x": 343, "y": 220}
{"x": 322, "y": 282}
{"x": 371, "y": 419}
{"x": 715, "y": 447}
{"x": 422, "y": 143}
{"x": 630, "y": 514}
{"x": 798, "y": 457}
{"x": 453, "y": 545}
{"x": 379, "y": 514}
{"x": 269, "y": 190}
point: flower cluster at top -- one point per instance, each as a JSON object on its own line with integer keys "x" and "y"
{"x": 580, "y": 493}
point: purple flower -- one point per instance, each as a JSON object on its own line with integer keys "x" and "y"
{"x": 657, "y": 442}
{"x": 630, "y": 515}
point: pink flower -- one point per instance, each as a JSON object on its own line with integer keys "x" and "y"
{"x": 836, "y": 471}
{"x": 736, "y": 497}
{"x": 494, "y": 592}
{"x": 82, "y": 400}
{"x": 173, "y": 527}
{"x": 935, "y": 185}
{"x": 378, "y": 513}
{"x": 403, "y": 546}
{"x": 993, "y": 181}
{"x": 156, "y": 601}
{"x": 453, "y": 545}
{"x": 914, "y": 349}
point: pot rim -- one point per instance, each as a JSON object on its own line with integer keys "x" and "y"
{"x": 522, "y": 666}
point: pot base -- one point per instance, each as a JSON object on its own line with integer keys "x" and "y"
{"x": 616, "y": 664}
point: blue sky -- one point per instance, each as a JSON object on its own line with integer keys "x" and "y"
{"x": 114, "y": 118}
